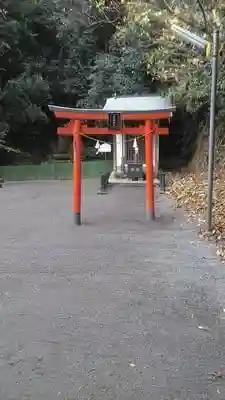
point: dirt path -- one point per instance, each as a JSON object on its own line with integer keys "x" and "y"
{"x": 110, "y": 310}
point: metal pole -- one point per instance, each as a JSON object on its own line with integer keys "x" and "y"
{"x": 212, "y": 132}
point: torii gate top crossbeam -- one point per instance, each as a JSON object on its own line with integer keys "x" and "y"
{"x": 129, "y": 108}
{"x": 98, "y": 114}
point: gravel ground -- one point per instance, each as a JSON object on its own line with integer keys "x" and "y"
{"x": 117, "y": 309}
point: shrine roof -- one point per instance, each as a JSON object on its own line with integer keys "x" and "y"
{"x": 139, "y": 104}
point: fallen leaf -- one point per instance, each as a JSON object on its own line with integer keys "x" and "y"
{"x": 204, "y": 328}
{"x": 216, "y": 376}
{"x": 190, "y": 193}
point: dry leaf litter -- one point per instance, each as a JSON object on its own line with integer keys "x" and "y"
{"x": 190, "y": 192}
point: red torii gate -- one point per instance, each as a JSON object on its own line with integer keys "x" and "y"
{"x": 77, "y": 126}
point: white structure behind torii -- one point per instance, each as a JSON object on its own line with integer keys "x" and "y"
{"x": 134, "y": 103}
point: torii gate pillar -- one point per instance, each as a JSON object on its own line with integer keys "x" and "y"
{"x": 150, "y": 204}
{"x": 77, "y": 172}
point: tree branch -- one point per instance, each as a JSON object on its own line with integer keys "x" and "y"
{"x": 201, "y": 6}
{"x": 172, "y": 12}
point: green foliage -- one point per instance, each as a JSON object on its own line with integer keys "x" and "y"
{"x": 79, "y": 52}
{"x": 45, "y": 53}
{"x": 112, "y": 74}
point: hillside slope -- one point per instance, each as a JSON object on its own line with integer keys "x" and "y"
{"x": 189, "y": 190}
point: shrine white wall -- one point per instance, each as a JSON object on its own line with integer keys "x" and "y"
{"x": 119, "y": 151}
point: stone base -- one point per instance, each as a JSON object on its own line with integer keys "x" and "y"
{"x": 115, "y": 179}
